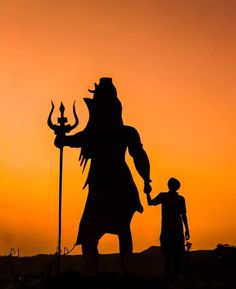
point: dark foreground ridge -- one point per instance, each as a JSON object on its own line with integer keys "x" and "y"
{"x": 209, "y": 269}
{"x": 103, "y": 280}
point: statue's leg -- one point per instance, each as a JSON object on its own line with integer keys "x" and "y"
{"x": 126, "y": 249}
{"x": 90, "y": 257}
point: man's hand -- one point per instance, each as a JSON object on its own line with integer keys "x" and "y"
{"x": 147, "y": 188}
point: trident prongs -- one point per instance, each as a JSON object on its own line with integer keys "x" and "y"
{"x": 62, "y": 128}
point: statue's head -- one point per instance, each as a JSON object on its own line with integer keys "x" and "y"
{"x": 105, "y": 90}
{"x": 105, "y": 105}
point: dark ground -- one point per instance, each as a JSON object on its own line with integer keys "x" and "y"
{"x": 206, "y": 269}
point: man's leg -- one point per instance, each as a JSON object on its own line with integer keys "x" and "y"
{"x": 177, "y": 264}
{"x": 90, "y": 257}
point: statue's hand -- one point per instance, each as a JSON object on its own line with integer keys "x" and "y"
{"x": 59, "y": 141}
{"x": 147, "y": 188}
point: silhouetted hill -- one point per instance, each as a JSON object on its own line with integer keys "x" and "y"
{"x": 203, "y": 269}
{"x": 151, "y": 250}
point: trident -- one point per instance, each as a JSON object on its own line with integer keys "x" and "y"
{"x": 61, "y": 130}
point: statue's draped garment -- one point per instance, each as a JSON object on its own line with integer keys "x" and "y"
{"x": 112, "y": 194}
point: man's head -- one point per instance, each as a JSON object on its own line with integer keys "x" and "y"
{"x": 173, "y": 184}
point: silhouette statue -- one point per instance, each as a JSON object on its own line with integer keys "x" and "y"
{"x": 174, "y": 216}
{"x": 113, "y": 197}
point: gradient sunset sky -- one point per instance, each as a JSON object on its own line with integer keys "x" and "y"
{"x": 173, "y": 64}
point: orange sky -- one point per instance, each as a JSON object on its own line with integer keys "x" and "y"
{"x": 173, "y": 63}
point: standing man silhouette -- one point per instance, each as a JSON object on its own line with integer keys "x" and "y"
{"x": 113, "y": 197}
{"x": 173, "y": 219}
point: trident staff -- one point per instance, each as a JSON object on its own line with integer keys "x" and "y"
{"x": 61, "y": 130}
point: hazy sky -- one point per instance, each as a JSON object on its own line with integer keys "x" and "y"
{"x": 173, "y": 63}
